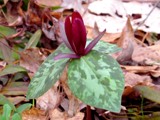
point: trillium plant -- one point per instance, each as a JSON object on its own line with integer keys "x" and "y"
{"x": 94, "y": 77}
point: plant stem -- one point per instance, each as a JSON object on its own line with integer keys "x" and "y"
{"x": 88, "y": 113}
{"x": 33, "y": 103}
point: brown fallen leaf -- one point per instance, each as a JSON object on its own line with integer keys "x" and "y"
{"x": 51, "y": 99}
{"x": 34, "y": 114}
{"x": 32, "y": 58}
{"x": 132, "y": 79}
{"x": 74, "y": 103}
{"x": 147, "y": 55}
{"x": 12, "y": 16}
{"x": 57, "y": 115}
{"x": 33, "y": 14}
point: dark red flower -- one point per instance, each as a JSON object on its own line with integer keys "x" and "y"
{"x": 76, "y": 33}
{"x": 75, "y": 37}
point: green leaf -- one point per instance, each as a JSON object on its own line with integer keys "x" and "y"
{"x": 34, "y": 39}
{"x": 11, "y": 69}
{"x": 6, "y": 31}
{"x": 105, "y": 47}
{"x": 6, "y": 112}
{"x": 48, "y": 73}
{"x": 16, "y": 116}
{"x": 4, "y": 100}
{"x": 23, "y": 107}
{"x": 97, "y": 80}
{"x": 6, "y": 51}
{"x": 150, "y": 93}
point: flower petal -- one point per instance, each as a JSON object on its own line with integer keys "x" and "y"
{"x": 76, "y": 15}
{"x": 79, "y": 36}
{"x": 68, "y": 29}
{"x": 65, "y": 55}
{"x": 94, "y": 42}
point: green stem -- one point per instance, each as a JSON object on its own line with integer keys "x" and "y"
{"x": 33, "y": 103}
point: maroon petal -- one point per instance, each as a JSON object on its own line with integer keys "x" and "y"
{"x": 76, "y": 15}
{"x": 94, "y": 42}
{"x": 63, "y": 55}
{"x": 68, "y": 29}
{"x": 79, "y": 36}
{"x": 63, "y": 35}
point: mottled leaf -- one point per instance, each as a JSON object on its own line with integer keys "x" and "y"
{"x": 149, "y": 92}
{"x": 11, "y": 69}
{"x": 48, "y": 73}
{"x": 105, "y": 47}
{"x": 97, "y": 80}
{"x": 34, "y": 39}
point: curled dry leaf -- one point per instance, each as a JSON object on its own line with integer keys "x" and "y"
{"x": 50, "y": 31}
{"x": 127, "y": 42}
